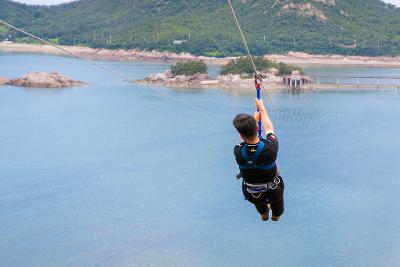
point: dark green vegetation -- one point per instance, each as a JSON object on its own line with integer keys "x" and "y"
{"x": 3, "y": 30}
{"x": 243, "y": 65}
{"x": 357, "y": 27}
{"x": 189, "y": 68}
{"x": 286, "y": 69}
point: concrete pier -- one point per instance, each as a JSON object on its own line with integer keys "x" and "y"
{"x": 296, "y": 80}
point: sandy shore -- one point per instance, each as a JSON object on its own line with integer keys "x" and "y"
{"x": 296, "y": 58}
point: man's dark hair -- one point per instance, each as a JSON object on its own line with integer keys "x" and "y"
{"x": 246, "y": 125}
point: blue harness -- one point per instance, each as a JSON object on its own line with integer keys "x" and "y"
{"x": 251, "y": 160}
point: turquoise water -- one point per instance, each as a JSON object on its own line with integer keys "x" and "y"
{"x": 115, "y": 174}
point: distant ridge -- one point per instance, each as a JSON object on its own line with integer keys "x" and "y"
{"x": 354, "y": 27}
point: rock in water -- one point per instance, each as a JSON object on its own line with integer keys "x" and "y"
{"x": 44, "y": 80}
{"x": 4, "y": 81}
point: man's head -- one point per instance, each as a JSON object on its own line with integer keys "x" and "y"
{"x": 246, "y": 125}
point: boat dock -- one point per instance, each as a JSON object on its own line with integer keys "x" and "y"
{"x": 357, "y": 82}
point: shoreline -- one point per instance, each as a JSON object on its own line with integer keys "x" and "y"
{"x": 134, "y": 55}
{"x": 246, "y": 87}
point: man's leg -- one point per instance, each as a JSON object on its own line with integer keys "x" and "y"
{"x": 277, "y": 202}
{"x": 277, "y": 208}
{"x": 259, "y": 202}
{"x": 262, "y": 208}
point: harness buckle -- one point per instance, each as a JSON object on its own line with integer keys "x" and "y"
{"x": 251, "y": 164}
{"x": 275, "y": 183}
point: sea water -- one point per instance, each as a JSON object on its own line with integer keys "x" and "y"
{"x": 118, "y": 174}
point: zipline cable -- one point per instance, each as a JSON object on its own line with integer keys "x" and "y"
{"x": 125, "y": 78}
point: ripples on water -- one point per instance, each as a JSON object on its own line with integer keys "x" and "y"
{"x": 114, "y": 174}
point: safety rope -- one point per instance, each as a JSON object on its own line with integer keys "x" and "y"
{"x": 248, "y": 52}
{"x": 260, "y": 85}
{"x": 257, "y": 76}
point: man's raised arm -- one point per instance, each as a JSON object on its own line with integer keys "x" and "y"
{"x": 266, "y": 121}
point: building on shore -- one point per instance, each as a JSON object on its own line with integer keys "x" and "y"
{"x": 6, "y": 41}
{"x": 295, "y": 80}
{"x": 179, "y": 42}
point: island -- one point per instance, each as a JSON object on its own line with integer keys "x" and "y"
{"x": 42, "y": 80}
{"x": 236, "y": 75}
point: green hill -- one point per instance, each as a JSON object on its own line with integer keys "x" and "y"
{"x": 356, "y": 27}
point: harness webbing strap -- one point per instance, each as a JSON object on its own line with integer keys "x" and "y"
{"x": 243, "y": 151}
{"x": 260, "y": 148}
{"x": 260, "y": 188}
{"x": 262, "y": 167}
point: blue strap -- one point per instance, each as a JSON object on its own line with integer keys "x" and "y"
{"x": 260, "y": 148}
{"x": 243, "y": 151}
{"x": 250, "y": 160}
{"x": 258, "y": 89}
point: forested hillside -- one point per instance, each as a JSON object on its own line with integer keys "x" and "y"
{"x": 357, "y": 27}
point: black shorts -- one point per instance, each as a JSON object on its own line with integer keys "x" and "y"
{"x": 274, "y": 197}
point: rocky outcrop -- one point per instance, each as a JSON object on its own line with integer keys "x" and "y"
{"x": 4, "y": 81}
{"x": 168, "y": 79}
{"x": 43, "y": 80}
{"x": 305, "y": 10}
{"x": 326, "y": 2}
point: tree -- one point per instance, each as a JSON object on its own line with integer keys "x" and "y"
{"x": 189, "y": 68}
{"x": 243, "y": 65}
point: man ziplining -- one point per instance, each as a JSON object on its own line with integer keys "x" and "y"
{"x": 262, "y": 184}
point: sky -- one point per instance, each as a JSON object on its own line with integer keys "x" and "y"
{"x": 395, "y": 2}
{"x": 54, "y": 2}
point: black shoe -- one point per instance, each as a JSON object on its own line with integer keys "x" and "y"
{"x": 275, "y": 218}
{"x": 264, "y": 216}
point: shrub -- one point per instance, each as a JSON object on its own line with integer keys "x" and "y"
{"x": 214, "y": 53}
{"x": 54, "y": 40}
{"x": 189, "y": 68}
{"x": 3, "y": 29}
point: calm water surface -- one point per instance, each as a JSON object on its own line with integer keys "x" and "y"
{"x": 114, "y": 174}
